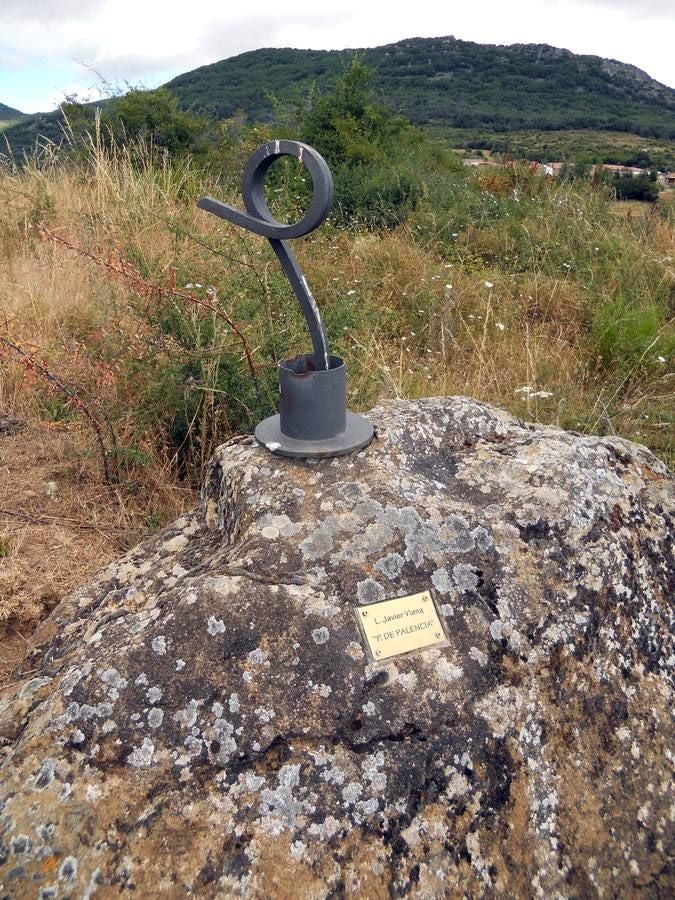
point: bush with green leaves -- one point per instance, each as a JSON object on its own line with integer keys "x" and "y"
{"x": 377, "y": 184}
{"x": 154, "y": 116}
{"x": 635, "y": 187}
{"x": 631, "y": 336}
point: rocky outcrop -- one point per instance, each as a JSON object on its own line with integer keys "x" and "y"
{"x": 204, "y": 717}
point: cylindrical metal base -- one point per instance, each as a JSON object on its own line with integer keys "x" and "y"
{"x": 313, "y": 420}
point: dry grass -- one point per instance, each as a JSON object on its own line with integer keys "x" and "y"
{"x": 637, "y": 209}
{"x": 466, "y": 334}
{"x": 58, "y": 521}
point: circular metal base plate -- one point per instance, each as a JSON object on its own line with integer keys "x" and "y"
{"x": 357, "y": 435}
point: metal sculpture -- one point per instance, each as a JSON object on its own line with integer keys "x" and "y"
{"x": 313, "y": 420}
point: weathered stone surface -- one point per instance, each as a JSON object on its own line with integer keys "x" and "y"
{"x": 202, "y": 718}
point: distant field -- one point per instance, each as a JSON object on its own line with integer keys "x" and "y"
{"x": 637, "y": 209}
{"x": 562, "y": 145}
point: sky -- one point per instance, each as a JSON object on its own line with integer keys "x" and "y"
{"x": 51, "y": 49}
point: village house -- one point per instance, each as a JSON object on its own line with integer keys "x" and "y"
{"x": 625, "y": 170}
{"x": 479, "y": 162}
{"x": 553, "y": 169}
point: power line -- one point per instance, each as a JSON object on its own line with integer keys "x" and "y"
{"x": 35, "y": 61}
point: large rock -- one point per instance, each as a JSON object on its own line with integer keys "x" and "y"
{"x": 203, "y": 718}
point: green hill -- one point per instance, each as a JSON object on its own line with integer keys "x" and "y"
{"x": 9, "y": 114}
{"x": 444, "y": 81}
{"x": 23, "y": 135}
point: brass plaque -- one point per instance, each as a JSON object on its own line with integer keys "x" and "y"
{"x": 401, "y": 625}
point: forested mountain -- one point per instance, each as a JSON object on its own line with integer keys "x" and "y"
{"x": 441, "y": 83}
{"x": 450, "y": 82}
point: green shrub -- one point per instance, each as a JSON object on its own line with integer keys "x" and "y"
{"x": 368, "y": 150}
{"x": 630, "y": 339}
{"x": 154, "y": 116}
{"x": 640, "y": 187}
{"x": 376, "y": 196}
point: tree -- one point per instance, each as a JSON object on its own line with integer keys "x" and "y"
{"x": 346, "y": 126}
{"x": 640, "y": 187}
{"x": 367, "y": 148}
{"x": 154, "y": 116}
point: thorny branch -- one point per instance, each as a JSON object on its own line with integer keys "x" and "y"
{"x": 262, "y": 279}
{"x": 146, "y": 288}
{"x": 30, "y": 361}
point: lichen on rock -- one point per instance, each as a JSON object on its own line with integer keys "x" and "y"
{"x": 204, "y": 717}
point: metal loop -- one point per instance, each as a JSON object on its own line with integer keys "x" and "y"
{"x": 260, "y": 220}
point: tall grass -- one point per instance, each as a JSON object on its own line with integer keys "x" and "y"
{"x": 165, "y": 323}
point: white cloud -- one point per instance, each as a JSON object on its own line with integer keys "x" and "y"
{"x": 46, "y": 10}
{"x": 636, "y": 8}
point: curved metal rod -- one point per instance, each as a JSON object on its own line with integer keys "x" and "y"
{"x": 260, "y": 220}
